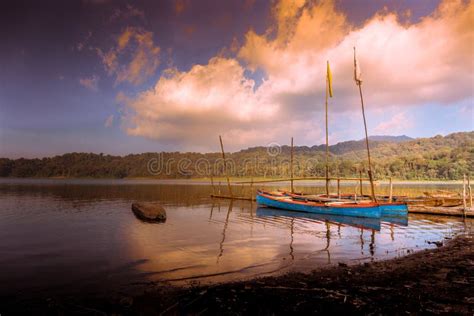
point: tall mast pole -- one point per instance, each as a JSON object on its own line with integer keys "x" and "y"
{"x": 359, "y": 83}
{"x": 327, "y": 139}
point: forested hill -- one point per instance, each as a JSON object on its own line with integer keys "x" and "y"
{"x": 439, "y": 157}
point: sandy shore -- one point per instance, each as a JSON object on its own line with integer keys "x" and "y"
{"x": 431, "y": 281}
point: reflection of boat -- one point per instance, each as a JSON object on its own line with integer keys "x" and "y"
{"x": 360, "y": 222}
{"x": 311, "y": 204}
{"x": 397, "y": 220}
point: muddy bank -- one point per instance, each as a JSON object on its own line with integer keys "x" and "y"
{"x": 431, "y": 281}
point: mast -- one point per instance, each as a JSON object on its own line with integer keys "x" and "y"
{"x": 359, "y": 83}
{"x": 327, "y": 132}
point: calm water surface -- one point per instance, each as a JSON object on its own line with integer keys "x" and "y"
{"x": 71, "y": 234}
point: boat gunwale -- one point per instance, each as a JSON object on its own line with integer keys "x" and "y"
{"x": 395, "y": 203}
{"x": 312, "y": 203}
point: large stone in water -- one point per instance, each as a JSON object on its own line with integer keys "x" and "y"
{"x": 148, "y": 211}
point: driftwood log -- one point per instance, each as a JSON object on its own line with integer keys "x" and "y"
{"x": 439, "y": 210}
{"x": 150, "y": 212}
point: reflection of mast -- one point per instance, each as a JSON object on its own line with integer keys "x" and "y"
{"x": 361, "y": 241}
{"x": 291, "y": 241}
{"x": 328, "y": 240}
{"x": 391, "y": 232}
{"x": 372, "y": 243}
{"x": 212, "y": 209}
{"x": 221, "y": 245}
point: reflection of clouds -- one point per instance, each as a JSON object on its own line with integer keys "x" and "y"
{"x": 185, "y": 239}
{"x": 187, "y": 246}
{"x": 91, "y": 229}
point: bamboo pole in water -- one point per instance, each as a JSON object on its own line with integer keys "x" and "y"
{"x": 391, "y": 191}
{"x": 299, "y": 179}
{"x": 464, "y": 193}
{"x": 225, "y": 167}
{"x": 291, "y": 166}
{"x": 359, "y": 83}
{"x": 338, "y": 188}
{"x": 212, "y": 184}
{"x": 469, "y": 190}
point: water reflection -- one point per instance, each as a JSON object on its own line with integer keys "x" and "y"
{"x": 362, "y": 222}
{"x": 221, "y": 245}
{"x": 369, "y": 224}
{"x": 85, "y": 233}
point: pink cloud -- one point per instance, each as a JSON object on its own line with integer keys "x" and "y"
{"x": 397, "y": 124}
{"x": 90, "y": 83}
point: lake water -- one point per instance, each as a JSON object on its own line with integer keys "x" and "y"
{"x": 69, "y": 235}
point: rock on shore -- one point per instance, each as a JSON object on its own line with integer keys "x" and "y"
{"x": 148, "y": 211}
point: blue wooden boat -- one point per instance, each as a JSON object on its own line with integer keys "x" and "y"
{"x": 386, "y": 208}
{"x": 359, "y": 222}
{"x": 393, "y": 208}
{"x": 302, "y": 204}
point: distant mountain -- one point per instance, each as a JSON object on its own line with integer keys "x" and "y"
{"x": 344, "y": 147}
{"x": 388, "y": 138}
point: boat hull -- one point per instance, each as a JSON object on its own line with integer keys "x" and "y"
{"x": 394, "y": 209}
{"x": 386, "y": 208}
{"x": 372, "y": 211}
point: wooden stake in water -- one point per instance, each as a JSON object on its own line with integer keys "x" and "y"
{"x": 359, "y": 83}
{"x": 291, "y": 166}
{"x": 338, "y": 188}
{"x": 469, "y": 190}
{"x": 225, "y": 167}
{"x": 391, "y": 191}
{"x": 464, "y": 194}
{"x": 212, "y": 184}
{"x": 251, "y": 188}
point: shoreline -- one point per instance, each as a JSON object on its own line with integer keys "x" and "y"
{"x": 207, "y": 181}
{"x": 438, "y": 280}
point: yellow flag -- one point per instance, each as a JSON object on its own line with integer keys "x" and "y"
{"x": 329, "y": 78}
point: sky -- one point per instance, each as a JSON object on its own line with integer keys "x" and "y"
{"x": 120, "y": 77}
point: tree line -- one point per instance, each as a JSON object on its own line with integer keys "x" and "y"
{"x": 439, "y": 157}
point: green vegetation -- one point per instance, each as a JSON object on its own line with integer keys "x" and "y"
{"x": 438, "y": 157}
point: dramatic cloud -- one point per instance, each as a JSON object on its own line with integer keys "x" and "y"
{"x": 206, "y": 99}
{"x": 134, "y": 58}
{"x": 429, "y": 62}
{"x": 90, "y": 83}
